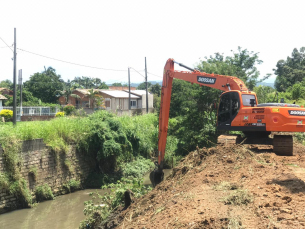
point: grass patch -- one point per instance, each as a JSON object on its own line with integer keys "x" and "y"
{"x": 72, "y": 186}
{"x": 69, "y": 165}
{"x": 44, "y": 192}
{"x": 225, "y": 186}
{"x": 137, "y": 168}
{"x": 238, "y": 197}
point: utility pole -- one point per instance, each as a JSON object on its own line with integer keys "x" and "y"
{"x": 129, "y": 107}
{"x": 146, "y": 87}
{"x": 14, "y": 81}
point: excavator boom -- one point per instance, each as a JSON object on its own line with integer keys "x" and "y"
{"x": 221, "y": 82}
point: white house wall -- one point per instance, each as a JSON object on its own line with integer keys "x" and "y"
{"x": 150, "y": 101}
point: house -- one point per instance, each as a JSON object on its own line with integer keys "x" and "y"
{"x": 142, "y": 95}
{"x": 2, "y": 98}
{"x": 121, "y": 88}
{"x": 118, "y": 101}
{"x": 114, "y": 100}
{"x": 82, "y": 101}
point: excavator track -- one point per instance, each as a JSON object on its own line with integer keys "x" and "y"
{"x": 282, "y": 144}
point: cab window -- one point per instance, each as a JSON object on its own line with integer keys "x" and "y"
{"x": 246, "y": 99}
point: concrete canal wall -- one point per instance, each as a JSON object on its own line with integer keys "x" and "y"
{"x": 54, "y": 169}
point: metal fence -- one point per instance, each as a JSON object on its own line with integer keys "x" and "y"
{"x": 33, "y": 111}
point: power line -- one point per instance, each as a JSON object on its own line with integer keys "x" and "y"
{"x": 137, "y": 72}
{"x": 7, "y": 44}
{"x": 154, "y": 75}
{"x": 68, "y": 62}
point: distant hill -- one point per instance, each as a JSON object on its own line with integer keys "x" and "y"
{"x": 266, "y": 84}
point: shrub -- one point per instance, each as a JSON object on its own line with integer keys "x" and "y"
{"x": 72, "y": 185}
{"x": 68, "y": 109}
{"x": 60, "y": 114}
{"x": 44, "y": 192}
{"x": 7, "y": 114}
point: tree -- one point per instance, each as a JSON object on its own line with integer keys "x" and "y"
{"x": 95, "y": 99}
{"x": 117, "y": 85}
{"x": 6, "y": 84}
{"x": 242, "y": 65}
{"x": 67, "y": 92}
{"x": 44, "y": 85}
{"x": 103, "y": 85}
{"x": 264, "y": 94}
{"x": 290, "y": 71}
{"x": 156, "y": 89}
{"x": 142, "y": 86}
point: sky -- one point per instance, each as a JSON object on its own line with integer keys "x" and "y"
{"x": 118, "y": 34}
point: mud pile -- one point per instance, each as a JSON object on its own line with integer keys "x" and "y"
{"x": 237, "y": 187}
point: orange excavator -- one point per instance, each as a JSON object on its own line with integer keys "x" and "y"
{"x": 238, "y": 110}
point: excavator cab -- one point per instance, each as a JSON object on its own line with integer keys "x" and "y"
{"x": 229, "y": 106}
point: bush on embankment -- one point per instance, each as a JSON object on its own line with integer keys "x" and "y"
{"x": 107, "y": 140}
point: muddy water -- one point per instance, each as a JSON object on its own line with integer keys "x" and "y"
{"x": 64, "y": 212}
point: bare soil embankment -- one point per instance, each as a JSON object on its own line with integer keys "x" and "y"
{"x": 237, "y": 187}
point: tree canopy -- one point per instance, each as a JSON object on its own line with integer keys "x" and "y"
{"x": 88, "y": 83}
{"x": 142, "y": 86}
{"x": 44, "y": 85}
{"x": 6, "y": 84}
{"x": 241, "y": 64}
{"x": 290, "y": 71}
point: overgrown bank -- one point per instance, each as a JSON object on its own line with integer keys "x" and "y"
{"x": 108, "y": 143}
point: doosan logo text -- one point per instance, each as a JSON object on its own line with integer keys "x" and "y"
{"x": 206, "y": 80}
{"x": 299, "y": 113}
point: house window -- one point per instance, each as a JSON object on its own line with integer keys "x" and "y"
{"x": 107, "y": 103}
{"x": 133, "y": 104}
{"x": 85, "y": 104}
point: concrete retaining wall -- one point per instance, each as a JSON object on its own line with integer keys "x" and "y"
{"x": 50, "y": 168}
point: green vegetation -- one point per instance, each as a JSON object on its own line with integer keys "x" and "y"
{"x": 137, "y": 168}
{"x": 43, "y": 192}
{"x": 99, "y": 208}
{"x": 290, "y": 71}
{"x": 68, "y": 109}
{"x": 71, "y": 186}
{"x": 238, "y": 197}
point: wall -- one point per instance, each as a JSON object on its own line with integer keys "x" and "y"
{"x": 50, "y": 170}
{"x": 150, "y": 101}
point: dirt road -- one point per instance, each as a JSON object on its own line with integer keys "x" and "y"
{"x": 237, "y": 187}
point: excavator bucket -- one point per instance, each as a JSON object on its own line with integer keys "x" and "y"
{"x": 156, "y": 177}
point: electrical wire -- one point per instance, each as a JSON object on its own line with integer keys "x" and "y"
{"x": 7, "y": 44}
{"x": 154, "y": 75}
{"x": 68, "y": 62}
{"x": 137, "y": 72}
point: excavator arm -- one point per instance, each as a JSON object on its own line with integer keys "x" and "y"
{"x": 221, "y": 82}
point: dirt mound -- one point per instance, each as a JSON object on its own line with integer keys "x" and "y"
{"x": 237, "y": 187}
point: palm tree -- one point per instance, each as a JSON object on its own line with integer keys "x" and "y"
{"x": 95, "y": 98}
